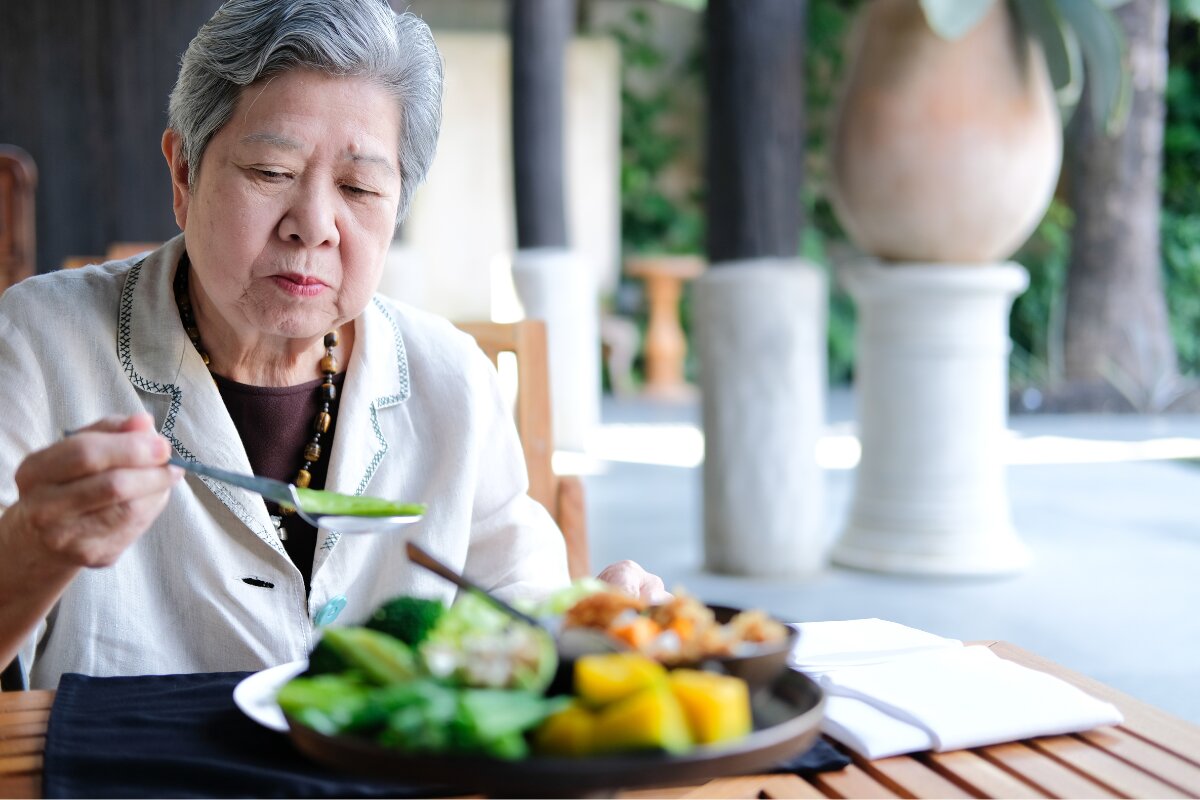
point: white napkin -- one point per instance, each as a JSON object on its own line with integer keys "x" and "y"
{"x": 845, "y": 643}
{"x": 910, "y": 690}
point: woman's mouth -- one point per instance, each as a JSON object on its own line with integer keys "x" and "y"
{"x": 299, "y": 285}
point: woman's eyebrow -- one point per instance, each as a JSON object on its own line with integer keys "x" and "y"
{"x": 274, "y": 139}
{"x": 366, "y": 158}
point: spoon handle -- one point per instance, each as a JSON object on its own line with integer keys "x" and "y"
{"x": 422, "y": 558}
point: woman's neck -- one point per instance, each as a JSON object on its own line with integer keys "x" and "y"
{"x": 257, "y": 359}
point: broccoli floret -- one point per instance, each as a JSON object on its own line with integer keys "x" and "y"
{"x": 324, "y": 660}
{"x": 409, "y": 619}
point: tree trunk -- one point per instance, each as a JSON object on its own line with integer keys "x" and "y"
{"x": 1118, "y": 346}
{"x": 540, "y": 32}
{"x": 755, "y": 67}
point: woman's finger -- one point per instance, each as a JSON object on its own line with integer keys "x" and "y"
{"x": 93, "y": 493}
{"x": 90, "y": 452}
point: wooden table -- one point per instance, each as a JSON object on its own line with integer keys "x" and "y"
{"x": 1153, "y": 754}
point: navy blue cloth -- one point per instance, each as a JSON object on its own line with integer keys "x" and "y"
{"x": 821, "y": 757}
{"x": 182, "y": 736}
{"x": 178, "y": 736}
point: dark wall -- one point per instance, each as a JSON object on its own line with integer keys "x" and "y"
{"x": 83, "y": 88}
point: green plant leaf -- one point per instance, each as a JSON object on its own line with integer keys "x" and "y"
{"x": 1060, "y": 46}
{"x": 1189, "y": 9}
{"x": 950, "y": 19}
{"x": 1103, "y": 47}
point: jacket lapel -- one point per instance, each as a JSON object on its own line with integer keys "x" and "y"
{"x": 377, "y": 382}
{"x": 158, "y": 358}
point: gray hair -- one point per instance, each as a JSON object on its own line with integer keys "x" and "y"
{"x": 249, "y": 40}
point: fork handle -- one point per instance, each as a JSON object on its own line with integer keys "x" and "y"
{"x": 269, "y": 488}
{"x": 419, "y": 556}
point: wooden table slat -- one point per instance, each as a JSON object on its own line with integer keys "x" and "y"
{"x": 1153, "y": 724}
{"x": 1146, "y": 756}
{"x": 1046, "y": 774}
{"x": 16, "y": 718}
{"x": 25, "y": 701}
{"x": 28, "y": 785}
{"x": 649, "y": 794}
{"x": 1104, "y": 768}
{"x": 852, "y": 781}
{"x": 17, "y": 765}
{"x": 23, "y": 745}
{"x": 978, "y": 775}
{"x": 15, "y": 731}
{"x": 908, "y": 777}
{"x": 750, "y": 787}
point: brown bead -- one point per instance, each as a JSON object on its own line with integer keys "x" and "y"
{"x": 328, "y": 391}
{"x": 321, "y": 424}
{"x": 303, "y": 479}
{"x": 329, "y": 363}
{"x": 193, "y": 333}
{"x": 312, "y": 452}
{"x": 331, "y": 339}
{"x": 205, "y": 357}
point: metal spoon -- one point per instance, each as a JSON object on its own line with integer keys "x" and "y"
{"x": 285, "y": 493}
{"x": 571, "y": 642}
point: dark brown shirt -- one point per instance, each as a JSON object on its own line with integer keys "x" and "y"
{"x": 275, "y": 423}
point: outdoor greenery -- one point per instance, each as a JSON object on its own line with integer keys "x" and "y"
{"x": 1181, "y": 183}
{"x": 655, "y": 219}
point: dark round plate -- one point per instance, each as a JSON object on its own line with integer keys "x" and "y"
{"x": 787, "y": 718}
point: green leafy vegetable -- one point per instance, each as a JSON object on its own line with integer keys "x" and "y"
{"x": 381, "y": 658}
{"x": 475, "y": 644}
{"x": 325, "y": 703}
{"x": 322, "y": 502}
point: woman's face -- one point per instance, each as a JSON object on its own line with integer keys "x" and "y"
{"x": 294, "y": 205}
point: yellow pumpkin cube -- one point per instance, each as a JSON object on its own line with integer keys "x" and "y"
{"x": 717, "y": 707}
{"x": 605, "y": 678}
{"x": 649, "y": 719}
{"x": 566, "y": 733}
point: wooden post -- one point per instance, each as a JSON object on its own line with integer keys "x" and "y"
{"x": 755, "y": 128}
{"x": 540, "y": 31}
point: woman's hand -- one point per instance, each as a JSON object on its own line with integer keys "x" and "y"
{"x": 632, "y": 579}
{"x": 85, "y": 499}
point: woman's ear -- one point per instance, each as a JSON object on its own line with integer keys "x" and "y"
{"x": 172, "y": 147}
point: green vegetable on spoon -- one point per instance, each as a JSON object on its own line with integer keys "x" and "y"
{"x": 323, "y": 502}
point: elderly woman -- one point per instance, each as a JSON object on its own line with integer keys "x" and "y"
{"x": 255, "y": 341}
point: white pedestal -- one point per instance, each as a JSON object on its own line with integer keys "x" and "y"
{"x": 760, "y": 337}
{"x": 557, "y": 286}
{"x": 932, "y": 392}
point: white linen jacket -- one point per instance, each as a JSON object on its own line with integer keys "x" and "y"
{"x": 210, "y": 587}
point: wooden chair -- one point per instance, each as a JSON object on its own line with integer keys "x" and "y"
{"x": 562, "y": 495}
{"x": 18, "y": 232}
{"x": 115, "y": 252}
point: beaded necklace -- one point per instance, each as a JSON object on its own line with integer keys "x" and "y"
{"x": 329, "y": 367}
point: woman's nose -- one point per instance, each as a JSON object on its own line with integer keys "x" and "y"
{"x": 311, "y": 217}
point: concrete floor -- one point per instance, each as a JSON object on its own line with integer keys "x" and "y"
{"x": 1113, "y": 592}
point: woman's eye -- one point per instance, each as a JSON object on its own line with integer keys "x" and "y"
{"x": 271, "y": 175}
{"x": 356, "y": 190}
